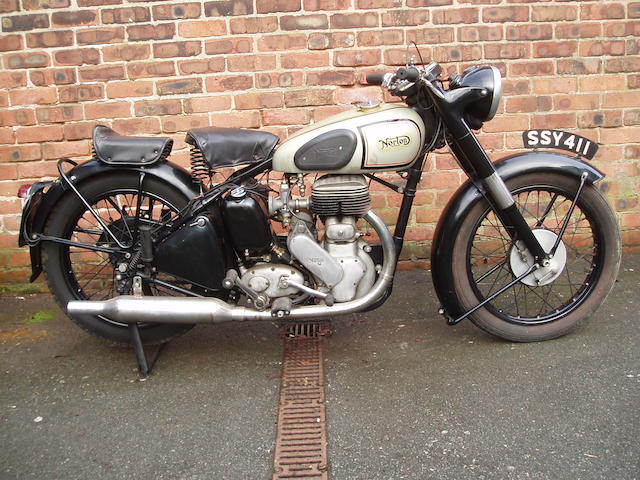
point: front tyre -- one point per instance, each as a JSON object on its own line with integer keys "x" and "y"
{"x": 556, "y": 302}
{"x": 75, "y": 273}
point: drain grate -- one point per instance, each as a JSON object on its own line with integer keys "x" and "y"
{"x": 301, "y": 439}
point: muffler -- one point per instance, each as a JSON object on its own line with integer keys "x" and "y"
{"x": 151, "y": 309}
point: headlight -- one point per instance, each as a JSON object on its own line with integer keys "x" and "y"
{"x": 485, "y": 77}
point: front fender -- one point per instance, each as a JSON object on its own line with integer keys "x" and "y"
{"x": 467, "y": 196}
{"x": 168, "y": 172}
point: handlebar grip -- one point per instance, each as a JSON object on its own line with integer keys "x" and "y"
{"x": 375, "y": 78}
{"x": 410, "y": 74}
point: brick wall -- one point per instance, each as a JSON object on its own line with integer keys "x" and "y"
{"x": 163, "y": 67}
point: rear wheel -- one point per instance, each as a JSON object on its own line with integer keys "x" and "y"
{"x": 552, "y": 301}
{"x": 75, "y": 273}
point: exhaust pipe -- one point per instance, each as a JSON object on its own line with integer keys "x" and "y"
{"x": 133, "y": 309}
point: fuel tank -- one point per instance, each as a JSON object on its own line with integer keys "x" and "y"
{"x": 381, "y": 137}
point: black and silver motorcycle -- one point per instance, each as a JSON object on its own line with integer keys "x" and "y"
{"x": 527, "y": 248}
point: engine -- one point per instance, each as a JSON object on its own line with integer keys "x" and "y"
{"x": 340, "y": 261}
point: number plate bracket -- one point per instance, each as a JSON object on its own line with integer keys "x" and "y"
{"x": 570, "y": 142}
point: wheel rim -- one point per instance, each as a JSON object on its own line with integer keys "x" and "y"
{"x": 490, "y": 265}
{"x": 91, "y": 275}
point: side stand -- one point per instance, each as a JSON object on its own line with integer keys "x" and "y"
{"x": 144, "y": 365}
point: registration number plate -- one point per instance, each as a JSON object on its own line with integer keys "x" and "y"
{"x": 561, "y": 140}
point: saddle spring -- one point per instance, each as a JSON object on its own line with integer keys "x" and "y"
{"x": 200, "y": 170}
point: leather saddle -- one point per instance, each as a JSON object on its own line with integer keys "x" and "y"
{"x": 113, "y": 148}
{"x": 226, "y": 147}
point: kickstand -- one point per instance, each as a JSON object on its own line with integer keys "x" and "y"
{"x": 144, "y": 365}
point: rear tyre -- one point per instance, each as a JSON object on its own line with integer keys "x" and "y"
{"x": 75, "y": 273}
{"x": 484, "y": 260}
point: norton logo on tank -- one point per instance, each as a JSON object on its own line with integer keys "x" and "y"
{"x": 393, "y": 143}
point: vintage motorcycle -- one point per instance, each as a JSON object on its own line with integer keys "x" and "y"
{"x": 134, "y": 246}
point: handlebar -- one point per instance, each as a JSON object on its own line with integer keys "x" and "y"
{"x": 410, "y": 74}
{"x": 375, "y": 78}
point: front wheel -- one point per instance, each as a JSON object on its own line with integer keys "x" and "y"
{"x": 553, "y": 301}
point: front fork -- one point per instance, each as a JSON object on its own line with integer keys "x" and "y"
{"x": 475, "y": 162}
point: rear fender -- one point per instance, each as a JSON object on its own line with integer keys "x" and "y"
{"x": 468, "y": 195}
{"x": 38, "y": 212}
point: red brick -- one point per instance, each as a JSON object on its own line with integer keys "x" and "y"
{"x": 480, "y": 33}
{"x": 43, "y": 4}
{"x": 530, "y": 32}
{"x": 554, "y": 49}
{"x": 353, "y": 20}
{"x": 351, "y": 96}
{"x": 370, "y": 38}
{"x": 12, "y": 79}
{"x": 576, "y": 102}
{"x": 20, "y": 153}
{"x": 9, "y": 6}
{"x": 26, "y": 60}
{"x": 229, "y": 45}
{"x": 455, "y": 15}
{"x": 100, "y": 35}
{"x": 150, "y": 69}
{"x": 226, "y": 8}
{"x": 286, "y": 117}
{"x": 176, "y": 49}
{"x": 253, "y": 25}
{"x": 146, "y": 108}
{"x": 98, "y": 3}
{"x": 618, "y": 135}
{"x": 107, "y": 110}
{"x": 356, "y": 58}
{"x": 606, "y": 118}
{"x": 74, "y": 18}
{"x": 598, "y": 83}
{"x": 304, "y": 60}
{"x": 248, "y": 119}
{"x": 21, "y": 23}
{"x": 52, "y": 76}
{"x": 6, "y": 136}
{"x": 202, "y": 28}
{"x": 506, "y": 14}
{"x": 22, "y": 116}
{"x": 127, "y": 53}
{"x": 80, "y": 93}
{"x": 39, "y": 134}
{"x": 302, "y": 98}
{"x": 211, "y": 65}
{"x": 531, "y": 68}
{"x": 506, "y": 50}
{"x": 275, "y": 6}
{"x": 579, "y": 67}
{"x": 397, "y": 18}
{"x": 163, "y": 31}
{"x": 37, "y": 95}
{"x": 553, "y": 13}
{"x": 126, "y": 15}
{"x": 168, "y": 11}
{"x": 277, "y": 79}
{"x": 37, "y": 170}
{"x": 621, "y": 29}
{"x": 332, "y": 77}
{"x": 458, "y": 53}
{"x": 207, "y": 104}
{"x": 251, "y": 63}
{"x": 128, "y": 89}
{"x": 137, "y": 126}
{"x": 329, "y": 5}
{"x": 223, "y": 83}
{"x": 578, "y": 30}
{"x": 528, "y": 104}
{"x": 184, "y": 123}
{"x": 10, "y": 42}
{"x": 622, "y": 100}
{"x": 597, "y": 48}
{"x": 283, "y": 43}
{"x": 602, "y": 11}
{"x": 103, "y": 73}
{"x": 623, "y": 64}
{"x": 554, "y": 120}
{"x": 252, "y": 101}
{"x": 322, "y": 41}
{"x": 78, "y": 148}
{"x": 179, "y": 86}
{"x": 77, "y": 56}
{"x": 398, "y": 56}
{"x": 436, "y": 3}
{"x": 377, "y": 4}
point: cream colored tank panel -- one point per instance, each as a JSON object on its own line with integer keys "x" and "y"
{"x": 389, "y": 137}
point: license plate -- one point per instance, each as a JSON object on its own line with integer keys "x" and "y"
{"x": 561, "y": 140}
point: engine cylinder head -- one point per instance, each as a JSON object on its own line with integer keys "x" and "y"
{"x": 340, "y": 195}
